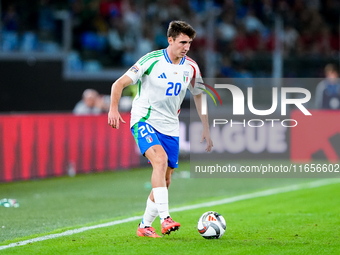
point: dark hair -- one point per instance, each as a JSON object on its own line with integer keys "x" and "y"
{"x": 331, "y": 68}
{"x": 177, "y": 27}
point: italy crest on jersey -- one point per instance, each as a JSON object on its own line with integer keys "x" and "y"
{"x": 185, "y": 76}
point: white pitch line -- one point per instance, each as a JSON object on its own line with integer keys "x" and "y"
{"x": 229, "y": 200}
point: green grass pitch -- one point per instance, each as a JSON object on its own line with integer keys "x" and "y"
{"x": 306, "y": 221}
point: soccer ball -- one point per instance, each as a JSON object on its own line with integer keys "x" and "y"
{"x": 211, "y": 225}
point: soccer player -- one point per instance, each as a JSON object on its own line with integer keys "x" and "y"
{"x": 163, "y": 76}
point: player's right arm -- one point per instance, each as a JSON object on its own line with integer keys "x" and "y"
{"x": 130, "y": 77}
{"x": 116, "y": 91}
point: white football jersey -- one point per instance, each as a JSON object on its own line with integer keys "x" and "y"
{"x": 161, "y": 90}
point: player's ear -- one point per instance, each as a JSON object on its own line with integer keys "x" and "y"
{"x": 170, "y": 40}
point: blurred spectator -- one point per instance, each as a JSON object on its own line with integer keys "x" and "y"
{"x": 46, "y": 20}
{"x": 145, "y": 44}
{"x": 244, "y": 77}
{"x": 116, "y": 37}
{"x": 327, "y": 94}
{"x": 226, "y": 29}
{"x": 241, "y": 41}
{"x": 324, "y": 41}
{"x": 9, "y": 34}
{"x": 92, "y": 103}
{"x": 268, "y": 12}
{"x": 313, "y": 4}
{"x": 290, "y": 38}
{"x": 132, "y": 18}
{"x": 306, "y": 42}
{"x": 255, "y": 41}
{"x": 226, "y": 69}
{"x": 335, "y": 40}
{"x": 109, "y": 31}
{"x": 109, "y": 8}
{"x": 252, "y": 23}
{"x": 11, "y": 19}
{"x": 330, "y": 11}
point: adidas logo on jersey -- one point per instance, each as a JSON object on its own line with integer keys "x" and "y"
{"x": 162, "y": 76}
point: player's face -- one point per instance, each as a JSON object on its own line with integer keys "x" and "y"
{"x": 180, "y": 46}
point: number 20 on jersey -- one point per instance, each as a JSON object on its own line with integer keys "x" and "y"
{"x": 173, "y": 89}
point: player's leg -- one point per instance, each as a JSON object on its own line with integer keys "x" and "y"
{"x": 159, "y": 162}
{"x": 168, "y": 224}
{"x": 169, "y": 172}
{"x": 151, "y": 210}
{"x": 149, "y": 145}
{"x": 168, "y": 175}
{"x": 150, "y": 214}
{"x": 160, "y": 180}
{"x": 146, "y": 138}
{"x": 171, "y": 147}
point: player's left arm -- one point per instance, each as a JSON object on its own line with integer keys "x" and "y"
{"x": 205, "y": 122}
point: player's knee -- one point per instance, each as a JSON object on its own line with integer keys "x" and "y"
{"x": 161, "y": 160}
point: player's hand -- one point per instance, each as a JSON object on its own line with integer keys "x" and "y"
{"x": 206, "y": 137}
{"x": 114, "y": 118}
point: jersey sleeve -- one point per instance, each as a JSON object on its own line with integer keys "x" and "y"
{"x": 196, "y": 85}
{"x": 136, "y": 71}
{"x": 142, "y": 65}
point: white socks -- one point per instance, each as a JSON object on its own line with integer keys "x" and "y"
{"x": 160, "y": 206}
{"x": 161, "y": 201}
{"x": 150, "y": 214}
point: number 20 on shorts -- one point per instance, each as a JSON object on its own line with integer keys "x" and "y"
{"x": 144, "y": 132}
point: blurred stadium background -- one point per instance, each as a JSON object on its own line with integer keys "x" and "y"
{"x": 53, "y": 50}
{"x": 63, "y": 47}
